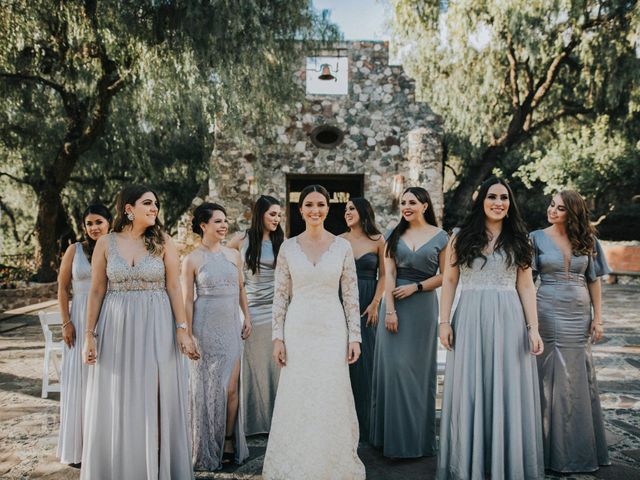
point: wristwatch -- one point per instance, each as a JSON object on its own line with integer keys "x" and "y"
{"x": 182, "y": 325}
{"x": 419, "y": 286}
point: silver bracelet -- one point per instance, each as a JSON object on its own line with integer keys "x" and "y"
{"x": 390, "y": 313}
{"x": 182, "y": 325}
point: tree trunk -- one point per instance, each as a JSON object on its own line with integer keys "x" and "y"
{"x": 49, "y": 207}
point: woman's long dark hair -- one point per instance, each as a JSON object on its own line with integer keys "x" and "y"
{"x": 367, "y": 217}
{"x": 472, "y": 238}
{"x": 96, "y": 209}
{"x": 429, "y": 215}
{"x": 153, "y": 235}
{"x": 581, "y": 233}
{"x": 256, "y": 230}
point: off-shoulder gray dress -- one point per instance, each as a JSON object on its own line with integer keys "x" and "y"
{"x": 403, "y": 399}
{"x": 74, "y": 371}
{"x": 490, "y": 422}
{"x": 259, "y": 372}
{"x": 136, "y": 405}
{"x": 573, "y": 428}
{"x": 217, "y": 330}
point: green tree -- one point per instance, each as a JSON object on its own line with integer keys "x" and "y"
{"x": 505, "y": 73}
{"x": 64, "y": 66}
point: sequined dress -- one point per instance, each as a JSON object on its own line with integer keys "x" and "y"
{"x": 74, "y": 371}
{"x": 217, "y": 330}
{"x": 136, "y": 405}
{"x": 314, "y": 432}
{"x": 490, "y": 422}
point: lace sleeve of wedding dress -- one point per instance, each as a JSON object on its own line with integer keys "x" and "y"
{"x": 281, "y": 296}
{"x": 350, "y": 301}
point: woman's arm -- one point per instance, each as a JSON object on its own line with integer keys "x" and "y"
{"x": 372, "y": 309}
{"x": 188, "y": 289}
{"x": 449, "y": 284}
{"x": 597, "y": 326}
{"x": 281, "y": 295}
{"x": 236, "y": 241}
{"x": 244, "y": 302}
{"x": 96, "y": 296}
{"x": 351, "y": 304}
{"x": 64, "y": 291}
{"x": 390, "y": 316}
{"x": 527, "y": 293}
{"x": 174, "y": 291}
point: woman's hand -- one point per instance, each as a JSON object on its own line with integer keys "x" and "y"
{"x": 354, "y": 352}
{"x": 89, "y": 350}
{"x": 279, "y": 353}
{"x": 187, "y": 344}
{"x": 596, "y": 330}
{"x": 446, "y": 335}
{"x": 372, "y": 313}
{"x": 537, "y": 347}
{"x": 404, "y": 291}
{"x": 391, "y": 322}
{"x": 69, "y": 334}
{"x": 247, "y": 328}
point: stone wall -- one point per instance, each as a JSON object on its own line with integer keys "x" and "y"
{"x": 387, "y": 133}
{"x": 31, "y": 294}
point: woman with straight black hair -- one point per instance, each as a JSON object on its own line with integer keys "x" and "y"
{"x": 259, "y": 246}
{"x": 570, "y": 261}
{"x": 490, "y": 422}
{"x": 403, "y": 404}
{"x": 75, "y": 275}
{"x": 367, "y": 244}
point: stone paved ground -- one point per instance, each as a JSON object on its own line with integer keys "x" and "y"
{"x": 28, "y": 423}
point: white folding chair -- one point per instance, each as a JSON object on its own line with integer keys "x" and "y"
{"x": 51, "y": 350}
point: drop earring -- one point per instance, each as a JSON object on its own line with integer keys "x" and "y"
{"x": 131, "y": 216}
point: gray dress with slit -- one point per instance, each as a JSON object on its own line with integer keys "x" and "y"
{"x": 136, "y": 405}
{"x": 217, "y": 330}
{"x": 403, "y": 400}
{"x": 490, "y": 422}
{"x": 74, "y": 371}
{"x": 259, "y": 372}
{"x": 361, "y": 372}
{"x": 573, "y": 427}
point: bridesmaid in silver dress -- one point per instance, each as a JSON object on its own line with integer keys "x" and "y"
{"x": 75, "y": 273}
{"x": 490, "y": 424}
{"x": 135, "y": 416}
{"x": 403, "y": 405}
{"x": 367, "y": 244}
{"x": 569, "y": 260}
{"x": 259, "y": 247}
{"x": 216, "y": 420}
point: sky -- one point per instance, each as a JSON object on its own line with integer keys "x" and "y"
{"x": 358, "y": 19}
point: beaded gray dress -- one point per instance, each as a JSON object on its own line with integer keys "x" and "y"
{"x": 361, "y": 372}
{"x": 217, "y": 329}
{"x": 259, "y": 372}
{"x": 74, "y": 372}
{"x": 490, "y": 422}
{"x": 403, "y": 400}
{"x": 573, "y": 427}
{"x": 136, "y": 405}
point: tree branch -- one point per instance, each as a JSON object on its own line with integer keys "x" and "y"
{"x": 513, "y": 73}
{"x": 18, "y": 77}
{"x": 14, "y": 178}
{"x": 9, "y": 213}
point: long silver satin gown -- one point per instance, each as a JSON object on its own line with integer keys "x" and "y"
{"x": 136, "y": 405}
{"x": 217, "y": 330}
{"x": 74, "y": 372}
{"x": 490, "y": 422}
{"x": 403, "y": 400}
{"x": 259, "y": 372}
{"x": 573, "y": 427}
{"x": 361, "y": 372}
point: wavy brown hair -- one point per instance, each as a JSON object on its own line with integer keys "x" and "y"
{"x": 367, "y": 217}
{"x": 256, "y": 230}
{"x": 581, "y": 233}
{"x": 153, "y": 235}
{"x": 96, "y": 209}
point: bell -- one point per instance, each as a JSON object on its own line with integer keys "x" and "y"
{"x": 326, "y": 73}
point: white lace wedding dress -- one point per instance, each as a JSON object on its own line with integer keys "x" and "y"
{"x": 314, "y": 431}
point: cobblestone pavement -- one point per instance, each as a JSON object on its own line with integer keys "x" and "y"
{"x": 29, "y": 424}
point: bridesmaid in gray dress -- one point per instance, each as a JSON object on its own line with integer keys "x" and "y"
{"x": 403, "y": 401}
{"x": 259, "y": 247}
{"x": 135, "y": 416}
{"x": 569, "y": 259}
{"x": 216, "y": 419}
{"x": 367, "y": 244}
{"x": 75, "y": 273}
{"x": 490, "y": 422}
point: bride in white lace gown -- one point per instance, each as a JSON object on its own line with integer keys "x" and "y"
{"x": 314, "y": 431}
